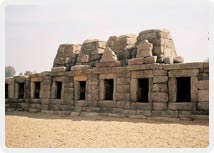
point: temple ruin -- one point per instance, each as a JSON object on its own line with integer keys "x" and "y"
{"x": 128, "y": 75}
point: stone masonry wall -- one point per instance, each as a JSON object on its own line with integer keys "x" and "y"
{"x": 162, "y": 95}
{"x": 83, "y": 76}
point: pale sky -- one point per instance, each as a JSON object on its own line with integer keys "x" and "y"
{"x": 33, "y": 33}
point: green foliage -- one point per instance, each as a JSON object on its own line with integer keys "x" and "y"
{"x": 9, "y": 71}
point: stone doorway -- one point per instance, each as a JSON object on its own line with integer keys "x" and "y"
{"x": 21, "y": 90}
{"x": 82, "y": 90}
{"x": 58, "y": 89}
{"x": 6, "y": 90}
{"x": 109, "y": 89}
{"x": 143, "y": 90}
{"x": 37, "y": 90}
{"x": 183, "y": 89}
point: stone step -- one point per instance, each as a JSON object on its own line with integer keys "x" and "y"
{"x": 199, "y": 117}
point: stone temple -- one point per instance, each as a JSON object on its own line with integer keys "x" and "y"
{"x": 128, "y": 75}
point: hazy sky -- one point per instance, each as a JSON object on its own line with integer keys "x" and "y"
{"x": 33, "y": 33}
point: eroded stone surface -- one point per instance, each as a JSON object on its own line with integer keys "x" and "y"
{"x": 108, "y": 56}
{"x": 113, "y": 78}
{"x": 144, "y": 49}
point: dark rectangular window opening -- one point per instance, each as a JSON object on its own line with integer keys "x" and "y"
{"x": 183, "y": 89}
{"x": 109, "y": 89}
{"x": 6, "y": 90}
{"x": 82, "y": 90}
{"x": 58, "y": 89}
{"x": 37, "y": 90}
{"x": 21, "y": 90}
{"x": 143, "y": 90}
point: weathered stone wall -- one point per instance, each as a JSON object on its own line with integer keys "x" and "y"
{"x": 124, "y": 46}
{"x": 125, "y": 61}
{"x": 161, "y": 97}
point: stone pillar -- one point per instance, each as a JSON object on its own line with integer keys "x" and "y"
{"x": 45, "y": 91}
{"x": 102, "y": 89}
{"x": 16, "y": 90}
{"x": 134, "y": 86}
{"x": 77, "y": 90}
{"x": 32, "y": 89}
{"x": 93, "y": 89}
{"x": 159, "y": 94}
{"x": 172, "y": 89}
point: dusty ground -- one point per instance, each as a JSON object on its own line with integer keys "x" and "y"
{"x": 44, "y": 130}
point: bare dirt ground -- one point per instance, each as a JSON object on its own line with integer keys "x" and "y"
{"x": 28, "y": 130}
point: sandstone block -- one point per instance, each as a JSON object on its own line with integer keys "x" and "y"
{"x": 144, "y": 49}
{"x": 95, "y": 57}
{"x": 168, "y": 60}
{"x": 117, "y": 111}
{"x": 45, "y": 101}
{"x": 158, "y": 50}
{"x": 142, "y": 74}
{"x": 45, "y": 94}
{"x": 186, "y": 73}
{"x": 135, "y": 61}
{"x": 148, "y": 113}
{"x": 123, "y": 104}
{"x": 159, "y": 72}
{"x": 123, "y": 96}
{"x": 184, "y": 106}
{"x": 32, "y": 110}
{"x": 203, "y": 106}
{"x": 91, "y": 114}
{"x": 46, "y": 87}
{"x": 203, "y": 84}
{"x": 137, "y": 116}
{"x": 178, "y": 59}
{"x": 55, "y": 101}
{"x": 160, "y": 79}
{"x": 160, "y": 87}
{"x": 178, "y": 66}
{"x": 159, "y": 97}
{"x": 58, "y": 69}
{"x": 123, "y": 81}
{"x": 133, "y": 90}
{"x": 158, "y": 113}
{"x": 82, "y": 58}
{"x": 105, "y": 110}
{"x": 172, "y": 113}
{"x": 69, "y": 91}
{"x": 94, "y": 109}
{"x": 109, "y": 64}
{"x": 130, "y": 112}
{"x": 69, "y": 85}
{"x": 44, "y": 107}
{"x": 122, "y": 42}
{"x": 81, "y": 103}
{"x": 149, "y": 60}
{"x": 141, "y": 112}
{"x": 67, "y": 108}
{"x": 107, "y": 104}
{"x": 123, "y": 88}
{"x": 160, "y": 106}
{"x": 73, "y": 114}
{"x": 204, "y": 76}
{"x": 184, "y": 114}
{"x": 116, "y": 115}
{"x": 141, "y": 106}
{"x": 80, "y": 67}
{"x": 78, "y": 108}
{"x": 108, "y": 56}
{"x": 203, "y": 95}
